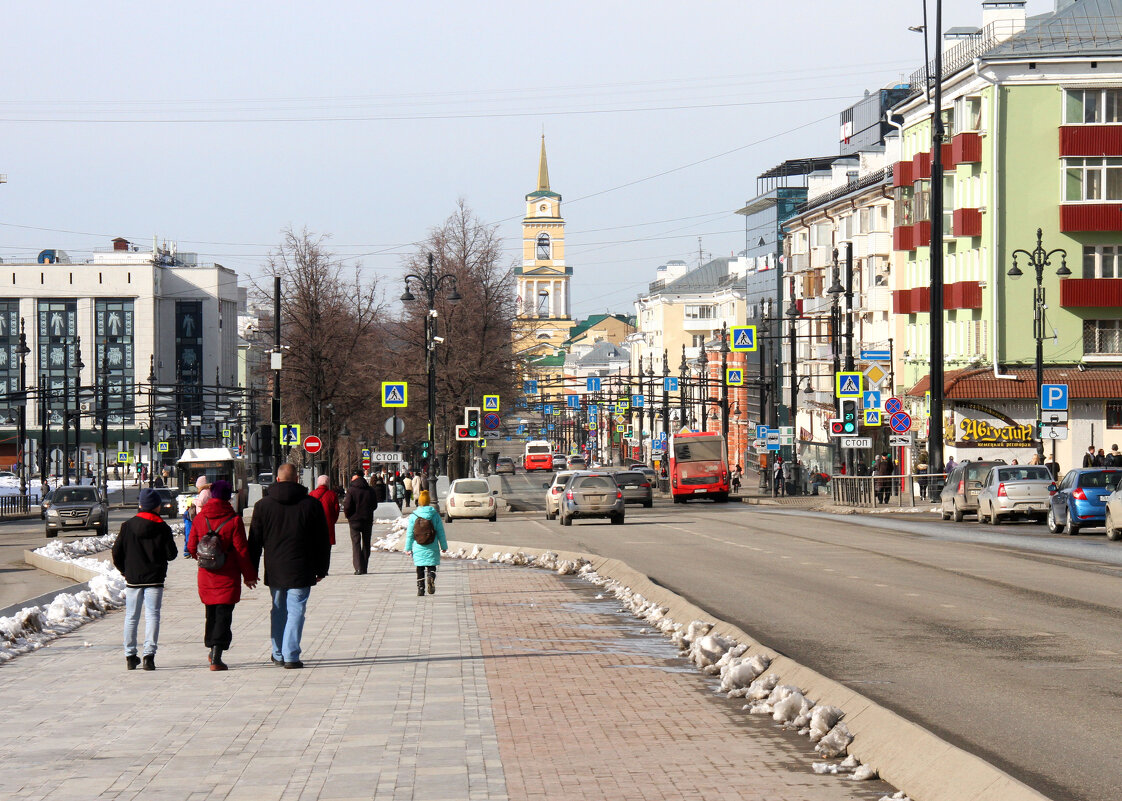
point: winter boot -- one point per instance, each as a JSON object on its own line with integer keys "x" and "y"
{"x": 132, "y": 661}
{"x": 432, "y": 582}
{"x": 420, "y": 586}
{"x": 216, "y": 662}
{"x": 149, "y": 662}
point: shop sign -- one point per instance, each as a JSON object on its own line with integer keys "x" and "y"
{"x": 1004, "y": 433}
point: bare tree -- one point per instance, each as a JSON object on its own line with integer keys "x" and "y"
{"x": 476, "y": 356}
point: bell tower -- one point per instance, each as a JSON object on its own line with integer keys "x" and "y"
{"x": 543, "y": 300}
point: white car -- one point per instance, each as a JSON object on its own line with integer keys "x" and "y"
{"x": 470, "y": 497}
{"x": 553, "y": 493}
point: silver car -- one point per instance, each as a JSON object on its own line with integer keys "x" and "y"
{"x": 77, "y": 509}
{"x": 553, "y": 493}
{"x": 591, "y": 495}
{"x": 960, "y": 494}
{"x": 1114, "y": 513}
{"x": 1015, "y": 491}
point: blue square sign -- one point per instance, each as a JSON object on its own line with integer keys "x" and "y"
{"x": 1053, "y": 397}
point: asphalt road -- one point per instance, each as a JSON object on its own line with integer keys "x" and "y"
{"x": 1005, "y": 641}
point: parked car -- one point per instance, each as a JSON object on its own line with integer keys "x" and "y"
{"x": 589, "y": 494}
{"x": 960, "y": 494}
{"x": 577, "y": 463}
{"x": 636, "y": 487}
{"x": 553, "y": 491}
{"x": 169, "y": 504}
{"x": 1015, "y": 491}
{"x": 504, "y": 464}
{"x": 559, "y": 461}
{"x": 77, "y": 509}
{"x": 1114, "y": 513}
{"x": 468, "y": 498}
{"x": 1080, "y": 500}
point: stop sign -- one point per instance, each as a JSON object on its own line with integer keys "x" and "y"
{"x": 312, "y": 444}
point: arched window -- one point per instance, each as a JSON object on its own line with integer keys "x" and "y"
{"x": 543, "y": 303}
{"x": 543, "y": 246}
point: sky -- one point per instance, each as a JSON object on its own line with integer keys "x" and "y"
{"x": 218, "y": 125}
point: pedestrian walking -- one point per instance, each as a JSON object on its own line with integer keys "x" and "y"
{"x": 424, "y": 538}
{"x": 778, "y": 484}
{"x": 359, "y": 505}
{"x": 408, "y": 483}
{"x": 330, "y": 503}
{"x": 381, "y": 492}
{"x": 143, "y": 548}
{"x": 1089, "y": 456}
{"x": 921, "y": 470}
{"x": 736, "y": 474}
{"x": 398, "y": 491}
{"x": 290, "y": 529}
{"x": 220, "y": 577}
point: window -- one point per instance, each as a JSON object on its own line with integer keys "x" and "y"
{"x": 1102, "y": 261}
{"x": 921, "y": 201}
{"x": 903, "y": 205}
{"x": 58, "y": 329}
{"x": 698, "y": 340}
{"x": 968, "y": 114}
{"x": 948, "y": 204}
{"x": 543, "y": 303}
{"x": 695, "y": 312}
{"x": 1093, "y": 179}
{"x": 1093, "y": 106}
{"x": 543, "y": 246}
{"x": 113, "y": 329}
{"x": 1114, "y": 414}
{"x": 9, "y": 352}
{"x": 1102, "y": 337}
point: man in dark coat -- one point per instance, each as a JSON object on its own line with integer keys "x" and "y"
{"x": 359, "y": 506}
{"x": 141, "y": 552}
{"x": 290, "y": 528}
{"x": 380, "y": 494}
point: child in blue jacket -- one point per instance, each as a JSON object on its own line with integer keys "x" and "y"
{"x": 426, "y": 557}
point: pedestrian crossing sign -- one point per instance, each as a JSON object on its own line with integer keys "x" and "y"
{"x": 742, "y": 337}
{"x": 395, "y": 393}
{"x": 162, "y": 447}
{"x": 847, "y": 385}
{"x": 289, "y": 434}
{"x": 490, "y": 403}
{"x": 225, "y": 433}
{"x": 872, "y": 417}
{"x": 123, "y": 457}
{"x": 734, "y": 377}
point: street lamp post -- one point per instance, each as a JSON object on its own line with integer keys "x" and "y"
{"x": 683, "y": 374}
{"x": 430, "y": 284}
{"x": 1038, "y": 259}
{"x": 21, "y": 446}
{"x": 651, "y": 404}
{"x": 724, "y": 384}
{"x": 78, "y": 367}
{"x": 793, "y": 315}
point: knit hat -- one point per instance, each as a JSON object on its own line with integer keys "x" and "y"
{"x": 321, "y": 481}
{"x": 423, "y": 498}
{"x": 201, "y": 483}
{"x": 149, "y": 500}
{"x": 221, "y": 490}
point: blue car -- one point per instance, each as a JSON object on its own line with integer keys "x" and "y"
{"x": 1080, "y": 500}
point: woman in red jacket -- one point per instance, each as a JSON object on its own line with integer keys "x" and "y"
{"x": 220, "y": 589}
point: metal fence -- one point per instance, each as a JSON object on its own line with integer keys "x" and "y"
{"x": 901, "y": 491}
{"x": 17, "y": 505}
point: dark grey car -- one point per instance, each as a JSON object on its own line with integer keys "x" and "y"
{"x": 591, "y": 495}
{"x": 960, "y": 493}
{"x": 636, "y": 487}
{"x": 77, "y": 509}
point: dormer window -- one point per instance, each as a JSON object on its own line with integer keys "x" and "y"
{"x": 543, "y": 246}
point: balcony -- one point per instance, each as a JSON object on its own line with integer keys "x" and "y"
{"x": 1090, "y": 293}
{"x": 959, "y": 295}
{"x": 921, "y": 166}
{"x": 921, "y": 234}
{"x": 1091, "y": 140}
{"x": 878, "y": 243}
{"x": 902, "y": 174}
{"x": 966, "y": 148}
{"x": 967, "y": 222}
{"x": 1075, "y": 217}
{"x": 948, "y": 157}
{"x": 902, "y": 236}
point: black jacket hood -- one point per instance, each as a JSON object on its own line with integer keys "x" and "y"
{"x": 359, "y": 482}
{"x": 288, "y": 492}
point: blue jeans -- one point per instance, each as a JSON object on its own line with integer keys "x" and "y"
{"x": 288, "y": 621}
{"x": 151, "y": 598}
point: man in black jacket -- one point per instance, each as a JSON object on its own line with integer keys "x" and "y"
{"x": 141, "y": 552}
{"x": 359, "y": 506}
{"x": 290, "y": 528}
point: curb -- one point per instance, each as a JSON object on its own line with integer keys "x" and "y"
{"x": 64, "y": 569}
{"x": 904, "y": 754}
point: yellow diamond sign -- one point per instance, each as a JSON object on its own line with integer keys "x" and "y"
{"x": 876, "y": 374}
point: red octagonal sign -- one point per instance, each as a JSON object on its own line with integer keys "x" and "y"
{"x": 312, "y": 444}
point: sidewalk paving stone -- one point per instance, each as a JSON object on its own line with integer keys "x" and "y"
{"x": 509, "y": 683}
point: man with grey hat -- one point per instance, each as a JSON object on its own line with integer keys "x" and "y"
{"x": 141, "y": 552}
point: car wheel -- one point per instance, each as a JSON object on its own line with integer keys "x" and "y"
{"x": 617, "y": 520}
{"x": 943, "y": 512}
{"x": 1112, "y": 533}
{"x": 492, "y": 518}
{"x": 549, "y": 515}
{"x": 722, "y": 498}
{"x": 103, "y": 529}
{"x": 447, "y": 518}
{"x": 1050, "y": 521}
{"x": 995, "y": 518}
{"x": 648, "y": 504}
{"x": 957, "y": 514}
{"x": 566, "y": 521}
{"x": 51, "y": 534}
{"x": 1071, "y": 528}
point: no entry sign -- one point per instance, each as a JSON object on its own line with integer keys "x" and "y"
{"x": 312, "y": 444}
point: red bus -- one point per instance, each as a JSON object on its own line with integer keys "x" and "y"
{"x": 699, "y": 467}
{"x": 538, "y": 456}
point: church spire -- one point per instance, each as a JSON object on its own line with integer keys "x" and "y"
{"x": 543, "y": 170}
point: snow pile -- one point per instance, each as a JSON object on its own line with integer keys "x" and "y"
{"x": 396, "y": 534}
{"x": 34, "y": 626}
{"x": 741, "y": 674}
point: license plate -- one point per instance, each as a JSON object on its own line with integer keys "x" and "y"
{"x": 73, "y": 522}
{"x": 472, "y": 503}
{"x": 698, "y": 491}
{"x": 595, "y": 498}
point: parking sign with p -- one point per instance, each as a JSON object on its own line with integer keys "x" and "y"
{"x": 1053, "y": 397}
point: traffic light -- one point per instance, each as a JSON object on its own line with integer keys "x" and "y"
{"x": 426, "y": 449}
{"x": 837, "y": 428}
{"x": 462, "y": 433}
{"x": 849, "y": 415}
{"x": 472, "y": 418}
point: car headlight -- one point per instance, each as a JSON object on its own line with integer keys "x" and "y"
{"x": 52, "y": 512}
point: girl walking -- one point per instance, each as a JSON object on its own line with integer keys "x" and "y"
{"x": 219, "y": 587}
{"x": 425, "y": 540}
